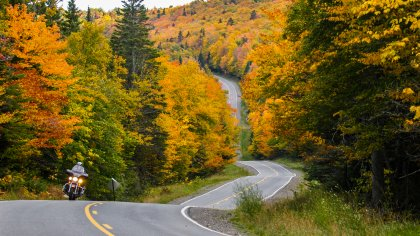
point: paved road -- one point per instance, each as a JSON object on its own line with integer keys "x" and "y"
{"x": 234, "y": 93}
{"x": 19, "y": 218}
{"x": 271, "y": 178}
{"x": 118, "y": 218}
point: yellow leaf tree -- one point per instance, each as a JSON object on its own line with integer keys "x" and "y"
{"x": 201, "y": 131}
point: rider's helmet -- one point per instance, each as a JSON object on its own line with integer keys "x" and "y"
{"x": 79, "y": 163}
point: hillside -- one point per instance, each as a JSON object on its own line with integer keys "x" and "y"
{"x": 218, "y": 33}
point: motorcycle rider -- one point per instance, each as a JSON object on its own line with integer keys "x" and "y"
{"x": 78, "y": 168}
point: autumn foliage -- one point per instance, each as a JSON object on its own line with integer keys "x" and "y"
{"x": 201, "y": 129}
{"x": 63, "y": 100}
{"x": 219, "y": 34}
{"x": 337, "y": 83}
{"x": 43, "y": 77}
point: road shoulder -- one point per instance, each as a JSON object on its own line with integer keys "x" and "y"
{"x": 221, "y": 220}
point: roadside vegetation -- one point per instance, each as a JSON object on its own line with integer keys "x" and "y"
{"x": 51, "y": 192}
{"x": 316, "y": 211}
{"x": 291, "y": 162}
{"x": 245, "y": 132}
{"x": 168, "y": 193}
{"x": 336, "y": 83}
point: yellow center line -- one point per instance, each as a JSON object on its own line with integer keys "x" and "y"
{"x": 107, "y": 226}
{"x": 93, "y": 221}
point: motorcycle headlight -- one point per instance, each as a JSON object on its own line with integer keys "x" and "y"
{"x": 80, "y": 181}
{"x": 70, "y": 178}
{"x": 75, "y": 178}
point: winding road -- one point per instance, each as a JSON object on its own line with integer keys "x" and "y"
{"x": 233, "y": 92}
{"x": 120, "y": 218}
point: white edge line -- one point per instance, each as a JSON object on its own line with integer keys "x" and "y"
{"x": 293, "y": 174}
{"x": 183, "y": 212}
{"x": 284, "y": 185}
{"x": 185, "y": 215}
{"x": 221, "y": 186}
{"x": 209, "y": 191}
{"x": 243, "y": 163}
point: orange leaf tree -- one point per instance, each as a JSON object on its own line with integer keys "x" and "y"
{"x": 43, "y": 77}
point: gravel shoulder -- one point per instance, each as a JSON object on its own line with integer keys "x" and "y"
{"x": 221, "y": 220}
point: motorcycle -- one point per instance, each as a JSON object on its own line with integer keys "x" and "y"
{"x": 75, "y": 188}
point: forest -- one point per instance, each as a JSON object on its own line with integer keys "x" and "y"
{"x": 337, "y": 84}
{"x": 71, "y": 91}
{"x": 219, "y": 34}
{"x": 332, "y": 83}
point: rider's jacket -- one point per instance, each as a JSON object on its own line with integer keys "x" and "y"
{"x": 78, "y": 169}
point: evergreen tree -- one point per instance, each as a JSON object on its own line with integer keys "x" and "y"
{"x": 230, "y": 22}
{"x": 71, "y": 22}
{"x": 208, "y": 59}
{"x": 184, "y": 13}
{"x": 253, "y": 15}
{"x": 201, "y": 59}
{"x": 180, "y": 37}
{"x": 52, "y": 15}
{"x": 130, "y": 40}
{"x": 89, "y": 17}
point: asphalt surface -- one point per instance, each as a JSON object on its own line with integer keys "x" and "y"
{"x": 116, "y": 218}
{"x": 46, "y": 218}
{"x": 271, "y": 178}
{"x": 234, "y": 94}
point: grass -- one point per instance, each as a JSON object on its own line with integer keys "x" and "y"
{"x": 314, "y": 211}
{"x": 291, "y": 162}
{"x": 245, "y": 140}
{"x": 318, "y": 212}
{"x": 245, "y": 135}
{"x": 168, "y": 193}
{"x": 52, "y": 193}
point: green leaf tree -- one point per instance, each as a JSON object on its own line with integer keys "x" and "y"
{"x": 100, "y": 100}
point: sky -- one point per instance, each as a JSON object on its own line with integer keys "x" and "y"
{"x": 111, "y": 4}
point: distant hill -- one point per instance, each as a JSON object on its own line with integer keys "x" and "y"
{"x": 218, "y": 33}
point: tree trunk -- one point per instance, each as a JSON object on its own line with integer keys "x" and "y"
{"x": 378, "y": 179}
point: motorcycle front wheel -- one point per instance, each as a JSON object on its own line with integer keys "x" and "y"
{"x": 72, "y": 197}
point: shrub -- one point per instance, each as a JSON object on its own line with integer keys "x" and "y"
{"x": 249, "y": 199}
